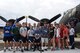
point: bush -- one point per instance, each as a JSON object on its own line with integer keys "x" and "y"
{"x": 78, "y": 35}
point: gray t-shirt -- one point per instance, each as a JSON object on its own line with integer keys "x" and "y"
{"x": 23, "y": 31}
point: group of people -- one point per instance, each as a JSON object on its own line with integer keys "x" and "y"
{"x": 26, "y": 37}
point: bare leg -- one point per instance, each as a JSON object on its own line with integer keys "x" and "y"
{"x": 59, "y": 45}
{"x": 54, "y": 43}
{"x": 67, "y": 44}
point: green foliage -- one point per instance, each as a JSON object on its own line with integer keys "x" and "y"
{"x": 78, "y": 35}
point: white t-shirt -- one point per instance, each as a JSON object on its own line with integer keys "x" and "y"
{"x": 71, "y": 31}
{"x": 30, "y": 32}
{"x": 58, "y": 32}
{"x": 23, "y": 31}
{"x": 34, "y": 28}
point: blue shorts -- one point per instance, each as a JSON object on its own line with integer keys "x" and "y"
{"x": 37, "y": 40}
{"x": 30, "y": 39}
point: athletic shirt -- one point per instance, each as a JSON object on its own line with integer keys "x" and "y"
{"x": 51, "y": 32}
{"x": 57, "y": 32}
{"x": 30, "y": 32}
{"x": 7, "y": 31}
{"x": 23, "y": 31}
{"x": 34, "y": 28}
{"x": 15, "y": 31}
{"x": 37, "y": 33}
{"x": 28, "y": 28}
{"x": 71, "y": 31}
{"x": 44, "y": 31}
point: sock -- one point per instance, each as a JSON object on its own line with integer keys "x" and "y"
{"x": 22, "y": 47}
{"x": 42, "y": 48}
{"x": 9, "y": 47}
{"x": 45, "y": 47}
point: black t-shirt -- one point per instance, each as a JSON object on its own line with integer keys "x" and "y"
{"x": 51, "y": 32}
{"x": 28, "y": 28}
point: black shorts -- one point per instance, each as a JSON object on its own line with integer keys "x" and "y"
{"x": 30, "y": 39}
{"x": 7, "y": 38}
{"x": 24, "y": 39}
{"x": 50, "y": 37}
{"x": 37, "y": 40}
{"x": 16, "y": 39}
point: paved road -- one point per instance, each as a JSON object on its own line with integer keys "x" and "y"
{"x": 59, "y": 51}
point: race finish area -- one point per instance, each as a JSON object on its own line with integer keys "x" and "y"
{"x": 49, "y": 51}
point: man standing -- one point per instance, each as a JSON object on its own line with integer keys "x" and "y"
{"x": 24, "y": 38}
{"x": 71, "y": 37}
{"x": 44, "y": 38}
{"x": 16, "y": 36}
{"x": 7, "y": 36}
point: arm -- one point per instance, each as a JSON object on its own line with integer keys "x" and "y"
{"x": 73, "y": 31}
{"x": 20, "y": 31}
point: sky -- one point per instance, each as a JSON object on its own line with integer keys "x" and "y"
{"x": 12, "y": 9}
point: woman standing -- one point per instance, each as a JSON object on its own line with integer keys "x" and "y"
{"x": 57, "y": 33}
{"x": 52, "y": 38}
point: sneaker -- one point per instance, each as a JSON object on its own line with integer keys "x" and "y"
{"x": 42, "y": 50}
{"x": 45, "y": 49}
{"x": 22, "y": 50}
{"x": 17, "y": 49}
{"x": 14, "y": 51}
{"x": 58, "y": 48}
{"x": 33, "y": 50}
{"x": 52, "y": 49}
{"x": 9, "y": 49}
{"x": 4, "y": 50}
{"x": 67, "y": 48}
{"x": 26, "y": 49}
{"x": 72, "y": 48}
{"x": 62, "y": 48}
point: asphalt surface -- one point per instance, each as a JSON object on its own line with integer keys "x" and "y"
{"x": 58, "y": 51}
{"x": 77, "y": 44}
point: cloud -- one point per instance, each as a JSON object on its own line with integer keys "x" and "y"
{"x": 37, "y": 8}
